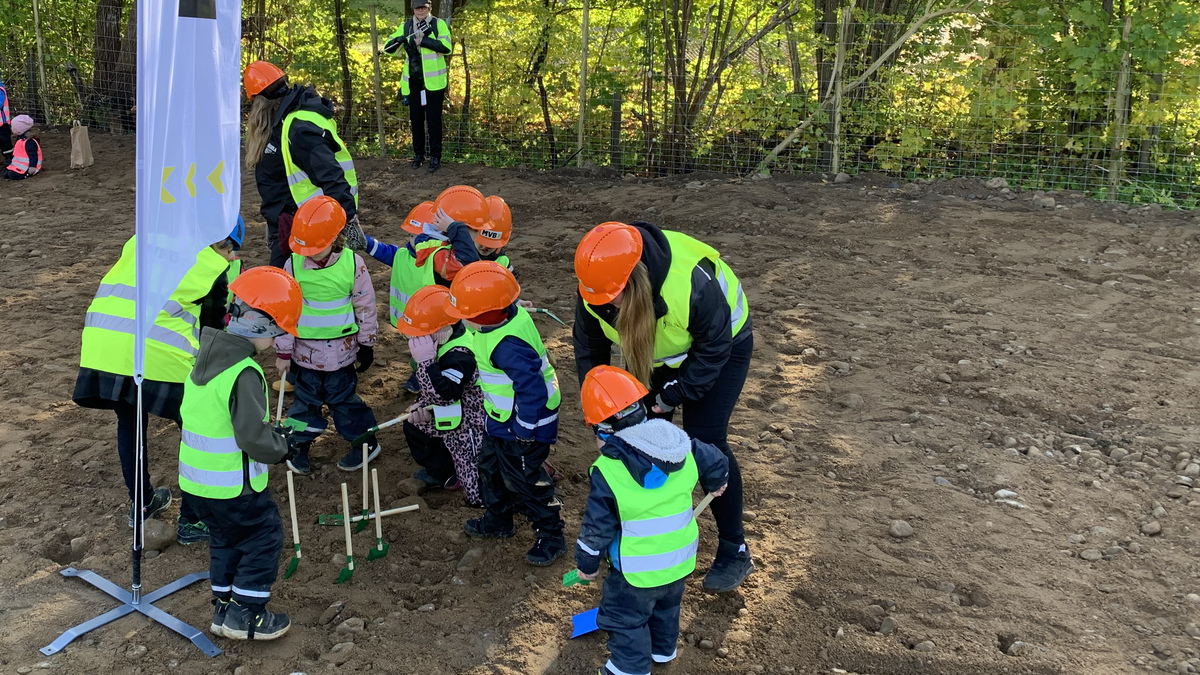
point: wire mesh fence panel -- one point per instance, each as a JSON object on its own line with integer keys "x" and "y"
{"x": 1071, "y": 97}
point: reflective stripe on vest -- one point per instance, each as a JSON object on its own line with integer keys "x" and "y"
{"x": 659, "y": 536}
{"x": 328, "y": 311}
{"x": 235, "y": 270}
{"x": 299, "y": 184}
{"x": 497, "y": 387}
{"x": 671, "y": 337}
{"x": 433, "y": 64}
{"x": 408, "y": 278}
{"x": 210, "y": 462}
{"x": 20, "y": 158}
{"x": 449, "y": 417}
{"x": 173, "y": 340}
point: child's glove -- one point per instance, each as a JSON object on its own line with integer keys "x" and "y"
{"x": 356, "y": 239}
{"x": 418, "y": 415}
{"x": 423, "y": 349}
{"x": 366, "y": 356}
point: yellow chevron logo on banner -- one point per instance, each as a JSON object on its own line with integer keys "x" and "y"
{"x": 188, "y": 181}
{"x": 163, "y": 194}
{"x": 214, "y": 178}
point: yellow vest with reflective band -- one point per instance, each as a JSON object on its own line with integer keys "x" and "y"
{"x": 498, "y": 401}
{"x": 299, "y": 184}
{"x": 235, "y": 270}
{"x": 407, "y": 278}
{"x": 433, "y": 64}
{"x": 173, "y": 340}
{"x": 210, "y": 461}
{"x": 671, "y": 338}
{"x": 328, "y": 312}
{"x": 449, "y": 417}
{"x": 659, "y": 536}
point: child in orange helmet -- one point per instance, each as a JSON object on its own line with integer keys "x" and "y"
{"x": 639, "y": 513}
{"x": 337, "y": 329}
{"x": 521, "y": 398}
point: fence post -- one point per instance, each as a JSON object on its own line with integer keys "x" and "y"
{"x": 615, "y": 152}
{"x": 583, "y": 73}
{"x": 839, "y": 67}
{"x": 378, "y": 83}
{"x": 1115, "y": 160}
{"x": 41, "y": 62}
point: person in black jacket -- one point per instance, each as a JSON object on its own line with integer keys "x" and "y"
{"x": 682, "y": 322}
{"x": 314, "y": 147}
{"x": 426, "y": 40}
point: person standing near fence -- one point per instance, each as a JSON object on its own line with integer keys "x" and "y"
{"x": 6, "y": 145}
{"x": 293, "y": 148}
{"x": 426, "y": 40}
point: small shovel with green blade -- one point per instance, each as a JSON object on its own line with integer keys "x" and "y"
{"x": 552, "y": 315}
{"x": 366, "y": 511}
{"x": 381, "y": 548}
{"x": 295, "y": 561}
{"x": 348, "y": 570}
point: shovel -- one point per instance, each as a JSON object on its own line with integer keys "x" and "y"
{"x": 348, "y": 570}
{"x": 381, "y": 549}
{"x": 585, "y": 622}
{"x": 329, "y": 520}
{"x": 295, "y": 562}
{"x": 363, "y": 437}
{"x": 366, "y": 511}
{"x": 552, "y": 315}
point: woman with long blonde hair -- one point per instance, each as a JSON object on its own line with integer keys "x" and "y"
{"x": 309, "y": 160}
{"x": 682, "y": 322}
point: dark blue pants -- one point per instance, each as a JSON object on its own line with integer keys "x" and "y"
{"x": 127, "y": 450}
{"x": 336, "y": 389}
{"x": 511, "y": 478}
{"x": 708, "y": 420}
{"x": 247, "y": 538}
{"x": 642, "y": 624}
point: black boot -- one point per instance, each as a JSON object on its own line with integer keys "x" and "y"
{"x": 298, "y": 462}
{"x": 730, "y": 569}
{"x": 220, "y": 613}
{"x": 418, "y": 161}
{"x": 548, "y": 547}
{"x": 159, "y": 501}
{"x": 489, "y": 527}
{"x": 435, "y": 163}
{"x": 247, "y": 622}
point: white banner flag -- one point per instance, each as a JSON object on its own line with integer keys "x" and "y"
{"x": 188, "y": 143}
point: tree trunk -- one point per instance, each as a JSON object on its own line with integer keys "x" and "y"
{"x": 541, "y": 48}
{"x": 794, "y": 59}
{"x": 344, "y": 128}
{"x": 124, "y": 95}
{"x": 107, "y": 56}
{"x": 1146, "y": 147}
{"x": 546, "y": 120}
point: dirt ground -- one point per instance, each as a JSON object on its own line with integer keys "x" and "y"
{"x": 918, "y": 349}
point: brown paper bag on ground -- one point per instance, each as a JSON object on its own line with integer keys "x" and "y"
{"x": 81, "y": 147}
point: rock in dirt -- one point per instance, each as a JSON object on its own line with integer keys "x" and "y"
{"x": 135, "y": 652}
{"x": 942, "y": 481}
{"x": 159, "y": 535}
{"x": 412, "y": 487}
{"x": 926, "y": 646}
{"x": 470, "y": 558}
{"x": 340, "y": 653}
{"x": 900, "y": 529}
{"x": 888, "y": 626}
{"x": 1019, "y": 648}
{"x": 331, "y": 612}
{"x": 426, "y": 607}
{"x": 1159, "y": 512}
{"x": 722, "y": 652}
{"x": 850, "y": 401}
{"x": 1046, "y": 202}
{"x": 841, "y": 178}
{"x": 351, "y": 626}
{"x": 1192, "y": 629}
{"x": 1151, "y": 528}
{"x": 996, "y": 184}
{"x": 778, "y": 407}
{"x": 1077, "y": 539}
{"x": 1193, "y": 598}
{"x": 1091, "y": 555}
{"x": 79, "y": 545}
{"x": 839, "y": 367}
{"x": 943, "y": 377}
{"x": 748, "y": 516}
{"x": 706, "y": 644}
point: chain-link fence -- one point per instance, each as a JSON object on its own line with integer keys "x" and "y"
{"x": 1110, "y": 112}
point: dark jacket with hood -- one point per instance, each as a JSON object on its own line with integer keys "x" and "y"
{"x": 531, "y": 420}
{"x": 313, "y": 151}
{"x": 641, "y": 448}
{"x": 248, "y": 402}
{"x": 708, "y": 324}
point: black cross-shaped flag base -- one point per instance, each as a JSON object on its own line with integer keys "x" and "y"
{"x": 128, "y": 606}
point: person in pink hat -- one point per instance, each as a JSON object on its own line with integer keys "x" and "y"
{"x": 27, "y": 153}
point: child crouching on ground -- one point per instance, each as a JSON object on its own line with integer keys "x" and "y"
{"x": 446, "y": 440}
{"x": 521, "y": 399}
{"x": 639, "y": 511}
{"x": 26, "y": 153}
{"x": 227, "y": 444}
{"x": 337, "y": 329}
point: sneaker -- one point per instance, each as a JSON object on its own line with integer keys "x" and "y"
{"x": 158, "y": 503}
{"x": 353, "y": 460}
{"x": 245, "y": 622}
{"x": 452, "y": 484}
{"x": 427, "y": 478}
{"x": 548, "y": 548}
{"x": 418, "y": 161}
{"x": 730, "y": 569}
{"x": 191, "y": 533}
{"x": 220, "y": 611}
{"x": 411, "y": 385}
{"x": 299, "y": 459}
{"x": 487, "y": 527}
{"x": 434, "y": 164}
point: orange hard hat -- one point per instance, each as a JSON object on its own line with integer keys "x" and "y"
{"x": 420, "y": 215}
{"x": 604, "y": 260}
{"x": 464, "y": 204}
{"x": 497, "y": 233}
{"x": 425, "y": 312}
{"x": 272, "y": 291}
{"x": 607, "y": 390}
{"x": 480, "y": 287}
{"x": 259, "y": 76}
{"x": 316, "y": 225}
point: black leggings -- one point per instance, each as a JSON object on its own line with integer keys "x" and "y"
{"x": 126, "y": 447}
{"x": 708, "y": 420}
